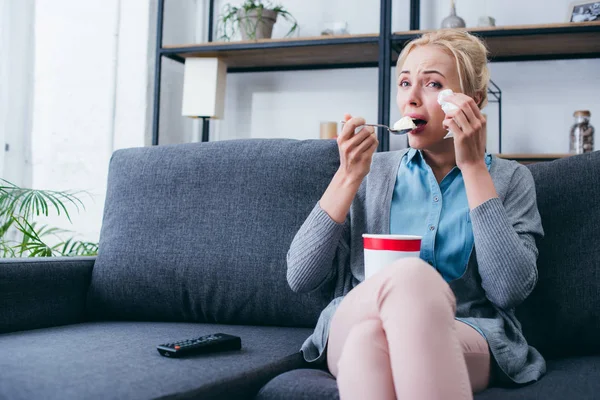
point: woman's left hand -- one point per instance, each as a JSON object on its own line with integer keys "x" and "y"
{"x": 469, "y": 128}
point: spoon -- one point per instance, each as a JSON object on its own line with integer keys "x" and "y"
{"x": 402, "y": 131}
{"x": 394, "y": 131}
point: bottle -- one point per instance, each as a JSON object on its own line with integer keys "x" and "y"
{"x": 453, "y": 20}
{"x": 582, "y": 133}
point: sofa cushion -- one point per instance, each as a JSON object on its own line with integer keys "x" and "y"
{"x": 200, "y": 232}
{"x": 562, "y": 316}
{"x": 575, "y": 378}
{"x": 119, "y": 360}
{"x": 301, "y": 384}
{"x": 43, "y": 291}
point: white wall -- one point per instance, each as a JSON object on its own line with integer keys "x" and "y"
{"x": 16, "y": 87}
{"x": 75, "y": 70}
{"x": 94, "y": 71}
{"x": 134, "y": 63}
{"x": 179, "y": 28}
{"x": 92, "y": 84}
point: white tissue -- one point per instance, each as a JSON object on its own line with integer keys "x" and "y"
{"x": 446, "y": 106}
{"x": 404, "y": 123}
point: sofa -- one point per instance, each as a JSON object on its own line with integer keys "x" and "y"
{"x": 194, "y": 240}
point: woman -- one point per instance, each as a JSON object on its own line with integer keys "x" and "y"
{"x": 441, "y": 325}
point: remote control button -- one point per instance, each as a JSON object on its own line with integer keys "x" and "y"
{"x": 177, "y": 347}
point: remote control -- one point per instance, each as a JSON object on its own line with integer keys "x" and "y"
{"x": 200, "y": 345}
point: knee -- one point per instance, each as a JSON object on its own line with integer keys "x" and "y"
{"x": 366, "y": 334}
{"x": 414, "y": 279}
{"x": 413, "y": 273}
{"x": 370, "y": 330}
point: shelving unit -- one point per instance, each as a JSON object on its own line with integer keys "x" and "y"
{"x": 507, "y": 43}
{"x": 530, "y": 42}
{"x": 319, "y": 52}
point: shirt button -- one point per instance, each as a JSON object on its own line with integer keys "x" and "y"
{"x": 431, "y": 228}
{"x": 436, "y": 199}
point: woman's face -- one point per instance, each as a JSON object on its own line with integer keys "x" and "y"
{"x": 426, "y": 71}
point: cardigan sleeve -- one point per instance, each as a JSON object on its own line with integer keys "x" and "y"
{"x": 310, "y": 259}
{"x": 505, "y": 235}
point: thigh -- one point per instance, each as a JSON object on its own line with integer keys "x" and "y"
{"x": 477, "y": 355}
{"x": 362, "y": 302}
{"x": 357, "y": 306}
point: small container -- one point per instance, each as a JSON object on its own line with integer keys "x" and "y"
{"x": 582, "y": 133}
{"x": 486, "y": 21}
{"x": 328, "y": 130}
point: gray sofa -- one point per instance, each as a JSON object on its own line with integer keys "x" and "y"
{"x": 193, "y": 241}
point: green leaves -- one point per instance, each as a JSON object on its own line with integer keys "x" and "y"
{"x": 77, "y": 248}
{"x": 18, "y": 206}
{"x": 27, "y": 202}
{"x": 229, "y": 20}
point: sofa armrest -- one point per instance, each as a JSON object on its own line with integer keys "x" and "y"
{"x": 43, "y": 292}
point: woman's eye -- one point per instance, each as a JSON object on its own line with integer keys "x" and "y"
{"x": 404, "y": 84}
{"x": 436, "y": 85}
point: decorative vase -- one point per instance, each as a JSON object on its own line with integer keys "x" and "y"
{"x": 257, "y": 24}
{"x": 453, "y": 20}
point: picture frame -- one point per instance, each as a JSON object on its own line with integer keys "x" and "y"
{"x": 584, "y": 11}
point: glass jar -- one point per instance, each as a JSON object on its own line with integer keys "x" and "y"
{"x": 582, "y": 133}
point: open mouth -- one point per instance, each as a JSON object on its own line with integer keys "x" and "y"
{"x": 419, "y": 122}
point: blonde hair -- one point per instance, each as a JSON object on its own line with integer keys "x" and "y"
{"x": 469, "y": 52}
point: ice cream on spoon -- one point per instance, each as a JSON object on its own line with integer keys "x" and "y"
{"x": 404, "y": 124}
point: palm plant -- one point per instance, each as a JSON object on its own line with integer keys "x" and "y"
{"x": 17, "y": 208}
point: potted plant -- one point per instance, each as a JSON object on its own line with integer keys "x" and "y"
{"x": 18, "y": 208}
{"x": 254, "y": 19}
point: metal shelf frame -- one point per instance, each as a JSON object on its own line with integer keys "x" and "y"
{"x": 383, "y": 64}
{"x": 389, "y": 46}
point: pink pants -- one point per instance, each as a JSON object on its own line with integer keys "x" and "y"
{"x": 395, "y": 336}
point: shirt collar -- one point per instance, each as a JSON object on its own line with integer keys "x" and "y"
{"x": 411, "y": 154}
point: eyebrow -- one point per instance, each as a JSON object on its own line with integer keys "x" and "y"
{"x": 429, "y": 71}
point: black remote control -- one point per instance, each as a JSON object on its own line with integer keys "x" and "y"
{"x": 200, "y": 345}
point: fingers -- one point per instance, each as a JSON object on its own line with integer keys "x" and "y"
{"x": 349, "y": 127}
{"x": 452, "y": 126}
{"x": 468, "y": 116}
{"x": 461, "y": 120}
{"x": 365, "y": 147}
{"x": 357, "y": 139}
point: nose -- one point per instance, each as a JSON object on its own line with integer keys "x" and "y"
{"x": 414, "y": 96}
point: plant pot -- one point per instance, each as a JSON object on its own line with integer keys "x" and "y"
{"x": 256, "y": 24}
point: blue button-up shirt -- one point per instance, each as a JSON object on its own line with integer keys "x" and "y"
{"x": 437, "y": 212}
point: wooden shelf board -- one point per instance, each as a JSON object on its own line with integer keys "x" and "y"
{"x": 531, "y": 41}
{"x": 545, "y": 41}
{"x": 289, "y": 52}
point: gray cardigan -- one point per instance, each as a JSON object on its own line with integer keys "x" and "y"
{"x": 500, "y": 274}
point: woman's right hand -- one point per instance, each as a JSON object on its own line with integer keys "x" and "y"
{"x": 356, "y": 149}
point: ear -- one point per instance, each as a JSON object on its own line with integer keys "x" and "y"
{"x": 478, "y": 97}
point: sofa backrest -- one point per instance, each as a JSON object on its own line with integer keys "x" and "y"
{"x": 562, "y": 315}
{"x": 200, "y": 232}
